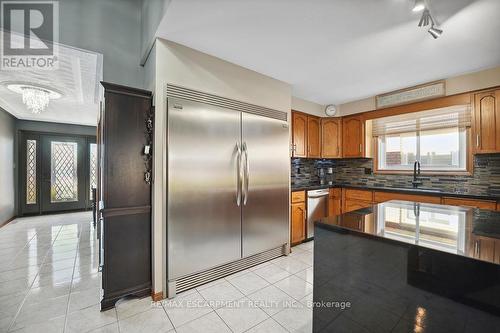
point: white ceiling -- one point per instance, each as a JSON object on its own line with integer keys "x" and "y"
{"x": 77, "y": 78}
{"x": 335, "y": 51}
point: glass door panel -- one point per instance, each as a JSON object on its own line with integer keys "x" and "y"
{"x": 63, "y": 172}
{"x": 92, "y": 168}
{"x": 63, "y": 177}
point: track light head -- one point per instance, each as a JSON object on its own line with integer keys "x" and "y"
{"x": 419, "y": 5}
{"x": 426, "y": 19}
{"x": 435, "y": 32}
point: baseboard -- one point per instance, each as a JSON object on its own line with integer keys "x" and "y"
{"x": 8, "y": 221}
{"x": 157, "y": 296}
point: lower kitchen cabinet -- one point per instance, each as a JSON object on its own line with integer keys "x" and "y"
{"x": 298, "y": 222}
{"x": 387, "y": 196}
{"x": 356, "y": 199}
{"x": 350, "y": 205}
{"x": 482, "y": 204}
{"x": 298, "y": 216}
{"x": 335, "y": 202}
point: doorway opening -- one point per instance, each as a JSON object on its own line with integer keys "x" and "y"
{"x": 56, "y": 172}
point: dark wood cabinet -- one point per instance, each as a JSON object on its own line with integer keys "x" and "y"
{"x": 487, "y": 122}
{"x": 331, "y": 137}
{"x": 313, "y": 137}
{"x": 353, "y": 136}
{"x": 124, "y": 194}
{"x": 299, "y": 134}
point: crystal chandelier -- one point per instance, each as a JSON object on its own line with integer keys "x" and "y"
{"x": 35, "y": 99}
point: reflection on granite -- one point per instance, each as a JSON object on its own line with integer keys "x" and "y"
{"x": 406, "y": 267}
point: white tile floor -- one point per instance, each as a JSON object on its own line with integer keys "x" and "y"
{"x": 49, "y": 282}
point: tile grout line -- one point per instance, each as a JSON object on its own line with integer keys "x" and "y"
{"x": 214, "y": 310}
{"x": 71, "y": 284}
{"x": 32, "y": 282}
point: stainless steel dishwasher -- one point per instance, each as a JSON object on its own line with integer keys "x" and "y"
{"x": 317, "y": 208}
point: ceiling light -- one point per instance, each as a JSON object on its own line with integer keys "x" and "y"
{"x": 419, "y": 5}
{"x": 426, "y": 19}
{"x": 35, "y": 97}
{"x": 435, "y": 32}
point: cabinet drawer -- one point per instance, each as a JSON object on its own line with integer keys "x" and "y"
{"x": 359, "y": 195}
{"x": 483, "y": 204}
{"x": 387, "y": 196}
{"x": 299, "y": 196}
{"x": 351, "y": 205}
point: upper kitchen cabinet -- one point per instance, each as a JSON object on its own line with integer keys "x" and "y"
{"x": 306, "y": 135}
{"x": 487, "y": 121}
{"x": 353, "y": 136}
{"x": 331, "y": 129}
{"x": 299, "y": 134}
{"x": 313, "y": 137}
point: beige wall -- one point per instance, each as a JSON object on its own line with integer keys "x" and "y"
{"x": 180, "y": 65}
{"x": 302, "y": 105}
{"x": 455, "y": 85}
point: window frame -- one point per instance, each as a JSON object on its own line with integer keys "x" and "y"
{"x": 468, "y": 161}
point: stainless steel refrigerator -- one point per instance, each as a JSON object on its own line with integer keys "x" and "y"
{"x": 228, "y": 187}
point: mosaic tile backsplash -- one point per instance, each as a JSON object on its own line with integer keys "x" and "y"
{"x": 485, "y": 180}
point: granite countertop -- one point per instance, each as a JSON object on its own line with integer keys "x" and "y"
{"x": 438, "y": 227}
{"x": 422, "y": 191}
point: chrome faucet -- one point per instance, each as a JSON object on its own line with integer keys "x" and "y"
{"x": 416, "y": 172}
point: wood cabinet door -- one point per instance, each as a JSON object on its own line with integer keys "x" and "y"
{"x": 299, "y": 134}
{"x": 331, "y": 137}
{"x": 334, "y": 206}
{"x": 313, "y": 137}
{"x": 298, "y": 229}
{"x": 487, "y": 122}
{"x": 352, "y": 136}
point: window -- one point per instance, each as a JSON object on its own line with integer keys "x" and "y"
{"x": 435, "y": 138}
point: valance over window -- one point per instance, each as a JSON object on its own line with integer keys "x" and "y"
{"x": 449, "y": 117}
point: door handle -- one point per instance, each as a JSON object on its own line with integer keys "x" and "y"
{"x": 477, "y": 140}
{"x": 238, "y": 175}
{"x": 246, "y": 177}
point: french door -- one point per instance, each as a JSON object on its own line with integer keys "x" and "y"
{"x": 57, "y": 172}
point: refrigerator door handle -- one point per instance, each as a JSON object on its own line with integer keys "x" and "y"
{"x": 247, "y": 174}
{"x": 238, "y": 175}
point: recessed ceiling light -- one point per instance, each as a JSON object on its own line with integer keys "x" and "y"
{"x": 35, "y": 97}
{"x": 419, "y": 5}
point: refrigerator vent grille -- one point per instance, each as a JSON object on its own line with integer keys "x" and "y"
{"x": 198, "y": 96}
{"x": 191, "y": 281}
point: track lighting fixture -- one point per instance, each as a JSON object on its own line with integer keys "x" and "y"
{"x": 419, "y": 5}
{"x": 427, "y": 20}
{"x": 435, "y": 32}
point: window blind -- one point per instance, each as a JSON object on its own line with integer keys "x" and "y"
{"x": 452, "y": 116}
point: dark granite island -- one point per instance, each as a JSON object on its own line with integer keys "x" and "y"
{"x": 407, "y": 267}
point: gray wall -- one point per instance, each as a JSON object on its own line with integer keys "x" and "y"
{"x": 152, "y": 12}
{"x": 7, "y": 178}
{"x": 41, "y": 126}
{"x": 110, "y": 27}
